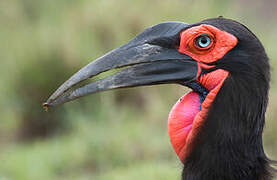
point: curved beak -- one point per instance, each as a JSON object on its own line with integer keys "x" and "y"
{"x": 150, "y": 58}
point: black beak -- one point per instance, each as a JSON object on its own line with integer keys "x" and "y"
{"x": 150, "y": 58}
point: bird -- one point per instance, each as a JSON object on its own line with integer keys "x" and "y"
{"x": 216, "y": 128}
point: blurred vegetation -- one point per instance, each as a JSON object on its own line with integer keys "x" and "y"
{"x": 113, "y": 135}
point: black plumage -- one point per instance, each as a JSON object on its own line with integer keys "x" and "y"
{"x": 229, "y": 145}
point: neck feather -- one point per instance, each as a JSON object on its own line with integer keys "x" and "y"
{"x": 229, "y": 144}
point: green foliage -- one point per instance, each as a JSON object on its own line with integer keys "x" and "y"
{"x": 113, "y": 135}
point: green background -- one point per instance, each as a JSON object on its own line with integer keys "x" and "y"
{"x": 113, "y": 135}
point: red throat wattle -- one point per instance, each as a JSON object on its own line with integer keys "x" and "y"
{"x": 188, "y": 114}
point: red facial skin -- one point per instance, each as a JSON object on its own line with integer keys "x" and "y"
{"x": 222, "y": 42}
{"x": 186, "y": 118}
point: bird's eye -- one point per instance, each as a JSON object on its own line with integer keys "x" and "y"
{"x": 203, "y": 41}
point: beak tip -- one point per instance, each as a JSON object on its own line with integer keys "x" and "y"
{"x": 46, "y": 106}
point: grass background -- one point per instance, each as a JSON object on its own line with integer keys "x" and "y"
{"x": 114, "y": 135}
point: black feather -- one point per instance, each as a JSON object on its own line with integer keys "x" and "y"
{"x": 229, "y": 144}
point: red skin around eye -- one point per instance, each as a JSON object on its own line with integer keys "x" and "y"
{"x": 222, "y": 43}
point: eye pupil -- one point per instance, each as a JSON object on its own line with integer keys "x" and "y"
{"x": 203, "y": 41}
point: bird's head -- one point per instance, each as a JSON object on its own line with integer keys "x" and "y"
{"x": 202, "y": 56}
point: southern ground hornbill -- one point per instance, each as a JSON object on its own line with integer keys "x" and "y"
{"x": 216, "y": 129}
